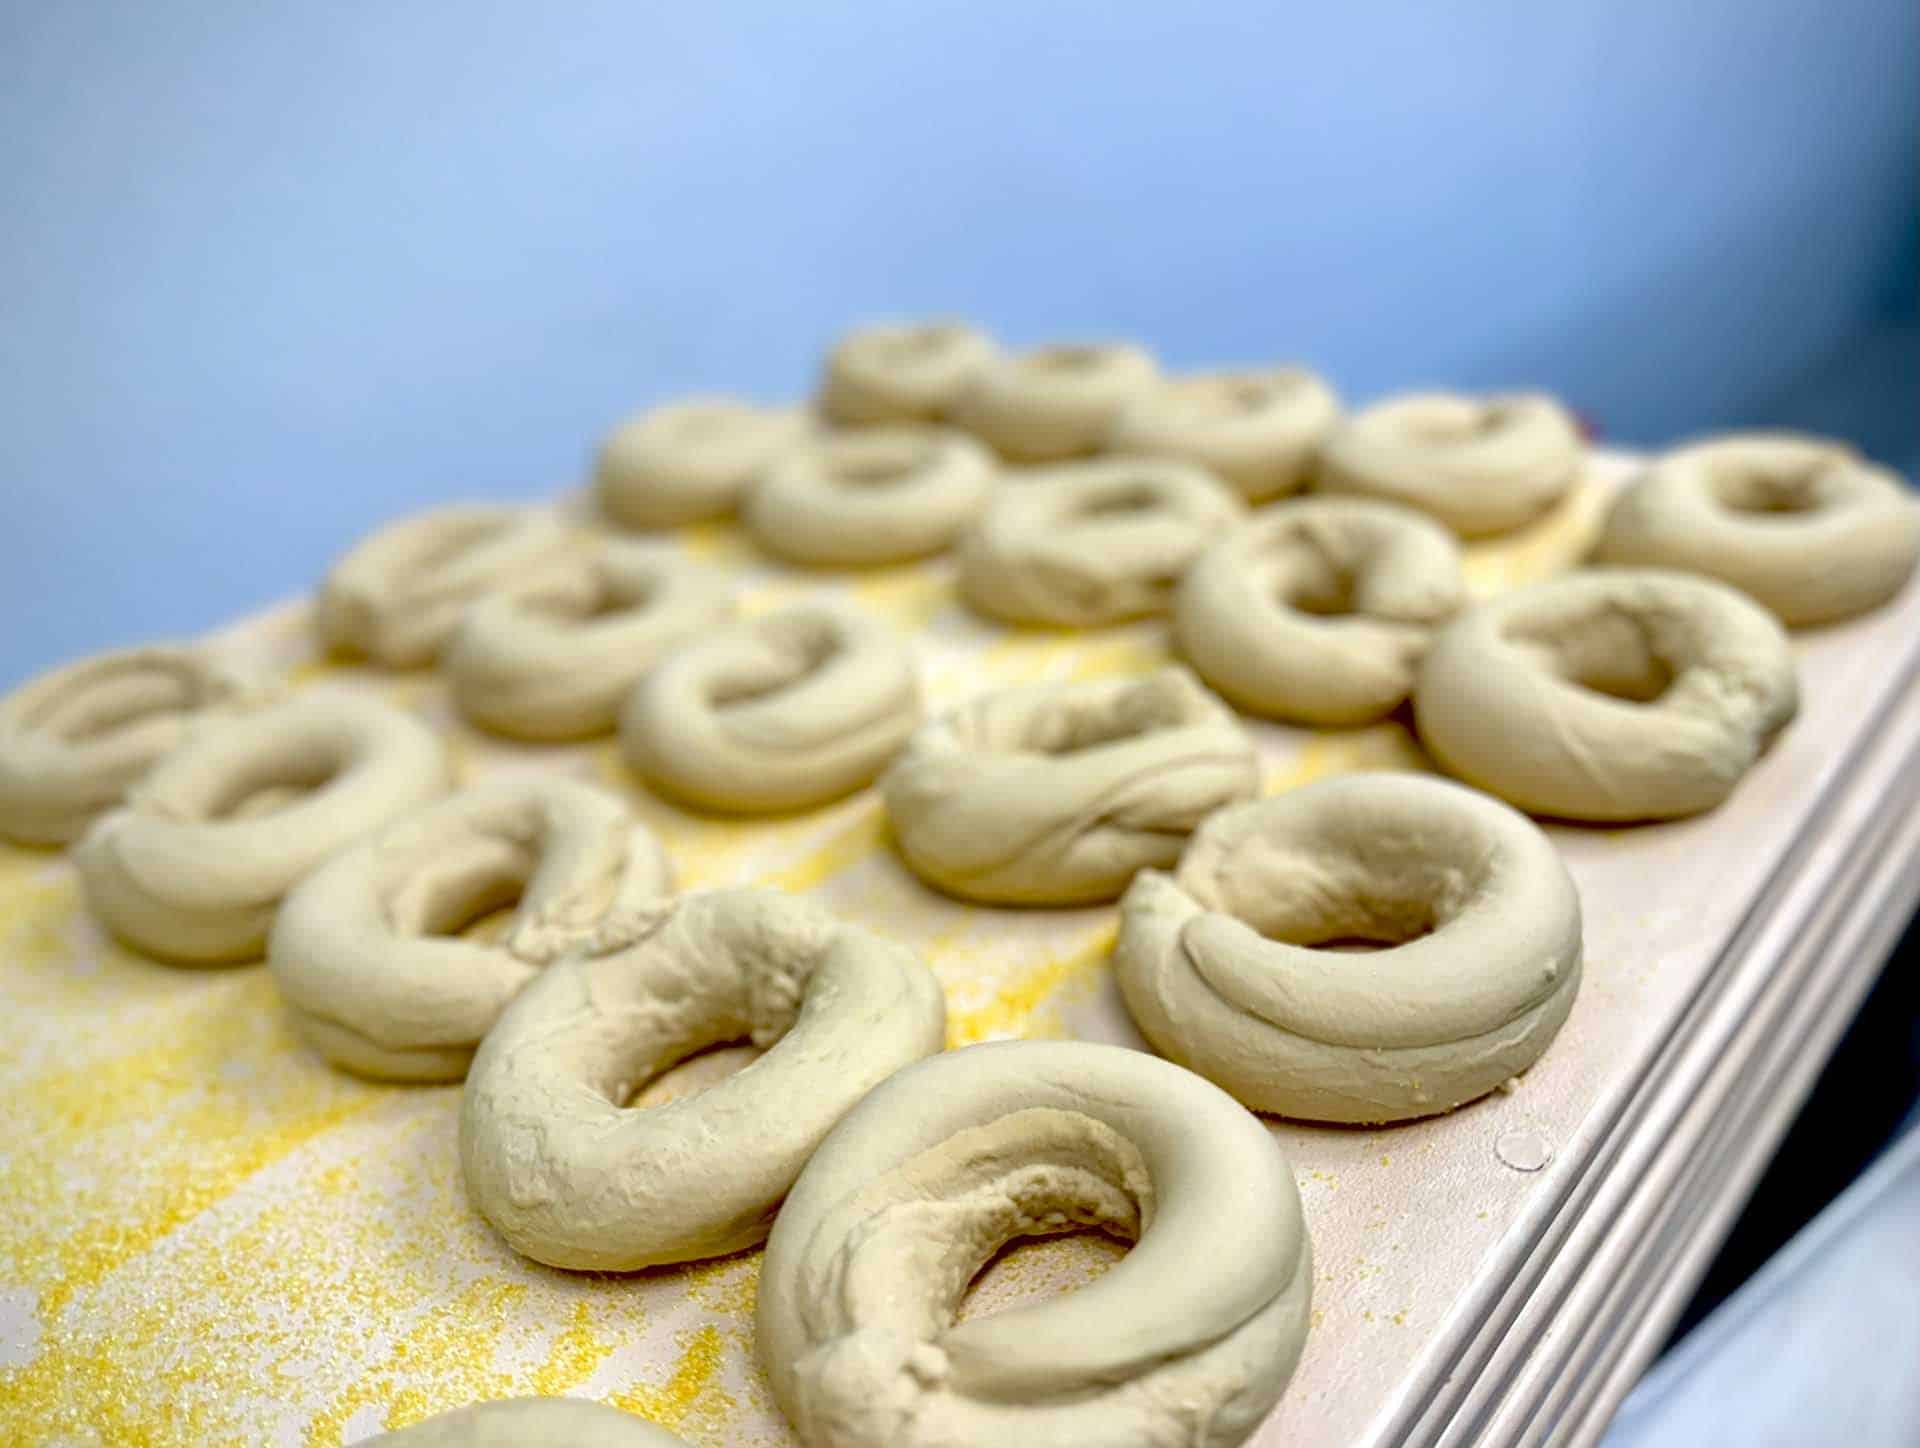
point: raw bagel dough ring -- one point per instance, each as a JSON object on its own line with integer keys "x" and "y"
{"x": 75, "y": 739}
{"x": 1536, "y": 695}
{"x": 1257, "y": 431}
{"x": 572, "y": 1177}
{"x": 1205, "y": 966}
{"x": 1055, "y": 794}
{"x": 184, "y": 873}
{"x": 878, "y": 495}
{"x": 526, "y": 1422}
{"x": 1055, "y": 402}
{"x": 1479, "y": 465}
{"x": 902, "y": 372}
{"x": 1808, "y": 527}
{"x": 1189, "y": 1339}
{"x": 780, "y": 712}
{"x": 1251, "y": 614}
{"x": 559, "y": 662}
{"x": 690, "y": 461}
{"x": 363, "y": 949}
{"x": 1092, "y": 543}
{"x": 398, "y": 595}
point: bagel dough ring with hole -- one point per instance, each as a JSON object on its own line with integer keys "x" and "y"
{"x": 1086, "y": 544}
{"x": 1480, "y": 465}
{"x": 877, "y": 495}
{"x": 1056, "y": 402}
{"x": 1317, "y": 610}
{"x": 75, "y": 739}
{"x": 1257, "y": 431}
{"x": 780, "y": 712}
{"x": 188, "y": 873}
{"x": 573, "y": 1177}
{"x": 1808, "y": 527}
{"x": 1611, "y": 695}
{"x": 689, "y": 461}
{"x": 398, "y": 595}
{"x": 1189, "y": 1339}
{"x": 364, "y": 950}
{"x": 1055, "y": 794}
{"x": 557, "y": 663}
{"x": 1218, "y": 966}
{"x": 902, "y": 372}
{"x": 525, "y": 1422}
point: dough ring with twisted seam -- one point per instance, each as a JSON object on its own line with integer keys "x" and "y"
{"x": 1808, "y": 527}
{"x": 1317, "y": 610}
{"x": 75, "y": 739}
{"x": 1611, "y": 695}
{"x": 527, "y": 1422}
{"x": 1055, "y": 794}
{"x": 363, "y": 949}
{"x": 191, "y": 870}
{"x": 1218, "y": 966}
{"x": 1094, "y": 543}
{"x": 780, "y": 712}
{"x": 876, "y": 495}
{"x": 1257, "y": 431}
{"x": 1055, "y": 402}
{"x": 573, "y": 1177}
{"x": 558, "y": 662}
{"x": 1480, "y": 465}
{"x": 690, "y": 461}
{"x": 902, "y": 372}
{"x": 1188, "y": 1340}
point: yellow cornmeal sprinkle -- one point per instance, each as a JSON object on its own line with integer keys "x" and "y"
{"x": 1014, "y": 1007}
{"x": 690, "y": 1392}
{"x": 1386, "y": 745}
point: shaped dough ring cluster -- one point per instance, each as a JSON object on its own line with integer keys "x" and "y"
{"x": 1055, "y": 402}
{"x": 75, "y": 739}
{"x": 557, "y": 663}
{"x": 194, "y": 867}
{"x": 879, "y": 495}
{"x": 1479, "y": 465}
{"x": 398, "y": 596}
{"x": 1219, "y": 967}
{"x": 1055, "y": 794}
{"x": 365, "y": 949}
{"x": 1808, "y": 527}
{"x": 914, "y": 372}
{"x": 1259, "y": 431}
{"x": 792, "y": 709}
{"x": 1093, "y": 543}
{"x": 523, "y": 1422}
{"x": 1610, "y": 695}
{"x": 690, "y": 461}
{"x": 574, "y": 1177}
{"x": 1318, "y": 610}
{"x": 1189, "y": 1339}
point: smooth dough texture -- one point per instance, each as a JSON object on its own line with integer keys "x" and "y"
{"x": 1258, "y": 431}
{"x": 902, "y": 372}
{"x": 1808, "y": 527}
{"x": 1318, "y": 610}
{"x": 1608, "y": 695}
{"x": 1480, "y": 923}
{"x": 1055, "y": 402}
{"x": 1189, "y": 1340}
{"x": 572, "y": 1176}
{"x": 558, "y": 662}
{"x": 75, "y": 739}
{"x": 692, "y": 460}
{"x": 780, "y": 712}
{"x": 876, "y": 495}
{"x": 1093, "y": 543}
{"x": 1055, "y": 794}
{"x": 194, "y": 867}
{"x": 531, "y": 1423}
{"x": 366, "y": 951}
{"x": 1480, "y": 465}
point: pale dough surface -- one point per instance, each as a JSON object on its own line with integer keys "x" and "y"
{"x": 902, "y": 372}
{"x": 1258, "y": 431}
{"x": 690, "y": 460}
{"x": 1055, "y": 402}
{"x": 532, "y": 1423}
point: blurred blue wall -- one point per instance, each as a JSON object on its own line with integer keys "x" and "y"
{"x": 271, "y": 273}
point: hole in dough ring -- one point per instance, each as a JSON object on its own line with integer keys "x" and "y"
{"x": 880, "y": 495}
{"x": 185, "y": 874}
{"x": 1094, "y": 543}
{"x": 1414, "y": 1029}
{"x": 1807, "y": 527}
{"x": 1252, "y": 615}
{"x": 1055, "y": 794}
{"x": 780, "y": 712}
{"x": 1479, "y": 465}
{"x": 398, "y": 596}
{"x": 519, "y": 1422}
{"x": 1188, "y": 1339}
{"x": 572, "y": 1177}
{"x": 690, "y": 461}
{"x": 911, "y": 372}
{"x": 1055, "y": 402}
{"x": 1257, "y": 431}
{"x": 75, "y": 739}
{"x": 1611, "y": 695}
{"x": 363, "y": 949}
{"x": 557, "y": 663}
